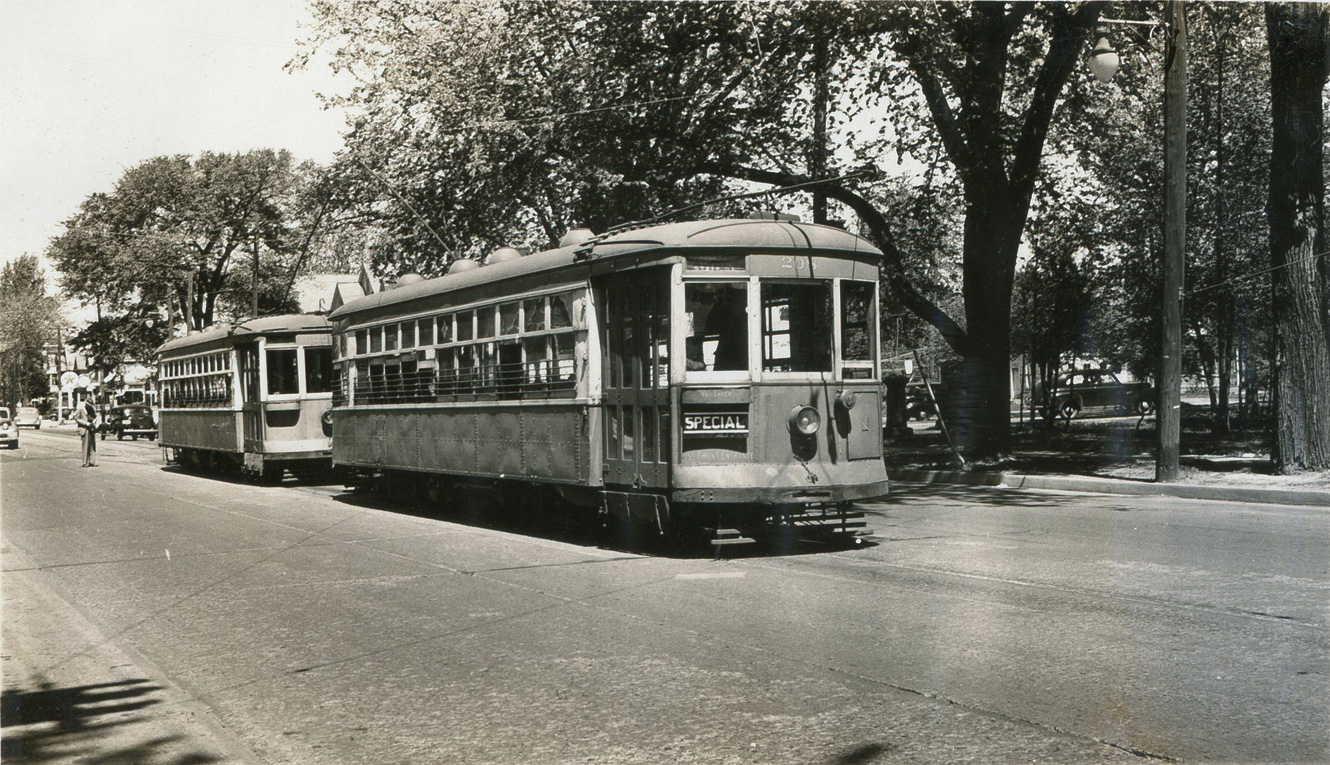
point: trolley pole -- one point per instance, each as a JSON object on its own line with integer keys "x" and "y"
{"x": 1168, "y": 418}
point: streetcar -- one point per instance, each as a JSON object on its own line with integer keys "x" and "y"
{"x": 715, "y": 376}
{"x": 251, "y": 397}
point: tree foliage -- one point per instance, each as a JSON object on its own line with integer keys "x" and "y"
{"x": 478, "y": 121}
{"x": 28, "y": 321}
{"x": 180, "y": 235}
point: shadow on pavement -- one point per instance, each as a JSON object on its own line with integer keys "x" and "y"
{"x": 72, "y": 724}
{"x": 860, "y": 755}
{"x": 581, "y": 526}
{"x": 904, "y": 493}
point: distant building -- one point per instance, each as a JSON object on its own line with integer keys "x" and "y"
{"x": 351, "y": 287}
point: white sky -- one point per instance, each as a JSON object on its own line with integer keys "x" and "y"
{"x": 90, "y": 88}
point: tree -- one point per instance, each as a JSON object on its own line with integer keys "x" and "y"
{"x": 1299, "y": 37}
{"x": 28, "y": 321}
{"x": 568, "y": 112}
{"x": 179, "y": 236}
{"x": 1052, "y": 307}
{"x": 1228, "y": 164}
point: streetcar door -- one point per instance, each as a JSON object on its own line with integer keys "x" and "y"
{"x": 635, "y": 332}
{"x": 251, "y": 397}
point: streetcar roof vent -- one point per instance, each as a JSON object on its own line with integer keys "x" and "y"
{"x": 502, "y": 255}
{"x": 576, "y": 236}
{"x": 409, "y": 279}
{"x": 465, "y": 264}
{"x": 773, "y": 215}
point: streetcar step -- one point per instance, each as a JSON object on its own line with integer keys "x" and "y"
{"x": 731, "y": 537}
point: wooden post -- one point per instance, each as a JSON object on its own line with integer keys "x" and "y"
{"x": 1168, "y": 418}
{"x": 818, "y": 159}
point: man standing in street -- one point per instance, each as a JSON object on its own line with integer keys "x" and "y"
{"x": 87, "y": 417}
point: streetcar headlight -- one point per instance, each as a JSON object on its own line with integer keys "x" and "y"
{"x": 805, "y": 420}
{"x": 846, "y": 398}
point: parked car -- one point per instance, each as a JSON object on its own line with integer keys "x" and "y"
{"x": 132, "y": 421}
{"x": 28, "y": 417}
{"x": 1094, "y": 390}
{"x": 8, "y": 430}
{"x": 919, "y": 402}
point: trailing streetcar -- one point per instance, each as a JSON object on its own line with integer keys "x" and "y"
{"x": 716, "y": 375}
{"x": 251, "y": 397}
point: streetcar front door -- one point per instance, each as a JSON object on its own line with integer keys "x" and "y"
{"x": 251, "y": 397}
{"x": 635, "y": 332}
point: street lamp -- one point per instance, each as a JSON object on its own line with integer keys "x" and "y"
{"x": 1103, "y": 60}
{"x": 1103, "y": 63}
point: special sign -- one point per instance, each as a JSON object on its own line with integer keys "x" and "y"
{"x": 715, "y": 424}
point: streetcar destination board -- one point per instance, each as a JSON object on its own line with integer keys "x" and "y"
{"x": 716, "y": 423}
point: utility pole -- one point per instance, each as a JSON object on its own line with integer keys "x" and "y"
{"x": 189, "y": 302}
{"x": 254, "y": 297}
{"x": 817, "y": 161}
{"x": 1168, "y": 418}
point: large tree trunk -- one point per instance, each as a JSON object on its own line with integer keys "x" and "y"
{"x": 982, "y": 395}
{"x": 1298, "y": 38}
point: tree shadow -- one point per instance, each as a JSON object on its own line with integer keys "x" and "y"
{"x": 70, "y": 724}
{"x": 995, "y": 496}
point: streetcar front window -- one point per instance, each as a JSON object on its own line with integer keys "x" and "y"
{"x": 716, "y": 316}
{"x": 318, "y": 370}
{"x": 282, "y": 376}
{"x": 796, "y": 327}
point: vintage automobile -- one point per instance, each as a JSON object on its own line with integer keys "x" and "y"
{"x": 28, "y": 417}
{"x": 132, "y": 421}
{"x": 8, "y": 430}
{"x": 1094, "y": 390}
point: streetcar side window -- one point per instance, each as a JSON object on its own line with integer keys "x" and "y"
{"x": 408, "y": 334}
{"x": 508, "y": 321}
{"x": 485, "y": 322}
{"x": 796, "y": 327}
{"x": 716, "y": 316}
{"x": 533, "y": 315}
{"x": 561, "y": 310}
{"x": 426, "y": 329}
{"x": 857, "y": 329}
{"x": 390, "y": 337}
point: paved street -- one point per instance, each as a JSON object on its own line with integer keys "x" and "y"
{"x": 153, "y": 616}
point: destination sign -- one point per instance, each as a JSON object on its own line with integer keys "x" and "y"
{"x": 716, "y": 423}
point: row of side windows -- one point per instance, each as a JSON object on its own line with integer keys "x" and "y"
{"x": 547, "y": 313}
{"x": 517, "y": 348}
{"x": 208, "y": 363}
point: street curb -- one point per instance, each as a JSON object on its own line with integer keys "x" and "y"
{"x": 1114, "y": 486}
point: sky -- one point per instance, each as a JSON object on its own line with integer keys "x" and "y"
{"x": 90, "y": 88}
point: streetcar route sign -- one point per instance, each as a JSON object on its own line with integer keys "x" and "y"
{"x": 716, "y": 424}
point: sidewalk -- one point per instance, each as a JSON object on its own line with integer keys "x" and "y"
{"x": 1113, "y": 466}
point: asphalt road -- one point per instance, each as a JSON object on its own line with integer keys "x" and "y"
{"x": 155, "y": 616}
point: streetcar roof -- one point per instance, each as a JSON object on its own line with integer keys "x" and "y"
{"x": 264, "y": 325}
{"x": 769, "y": 235}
